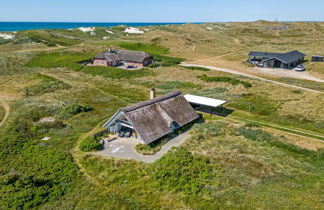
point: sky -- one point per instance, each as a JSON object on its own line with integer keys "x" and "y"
{"x": 160, "y": 10}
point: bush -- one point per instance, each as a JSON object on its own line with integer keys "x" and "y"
{"x": 180, "y": 171}
{"x": 73, "y": 109}
{"x": 196, "y": 68}
{"x": 152, "y": 148}
{"x": 90, "y": 144}
{"x": 166, "y": 61}
{"x": 228, "y": 80}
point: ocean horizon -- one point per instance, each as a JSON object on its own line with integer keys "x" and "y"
{"x": 20, "y": 26}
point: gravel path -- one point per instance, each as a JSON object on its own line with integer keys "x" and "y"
{"x": 231, "y": 71}
{"x": 125, "y": 149}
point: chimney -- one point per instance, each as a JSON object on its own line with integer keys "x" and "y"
{"x": 109, "y": 50}
{"x": 152, "y": 93}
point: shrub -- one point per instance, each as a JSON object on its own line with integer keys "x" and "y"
{"x": 180, "y": 171}
{"x": 73, "y": 109}
{"x": 196, "y": 68}
{"x": 166, "y": 61}
{"x": 90, "y": 144}
{"x": 152, "y": 148}
{"x": 228, "y": 80}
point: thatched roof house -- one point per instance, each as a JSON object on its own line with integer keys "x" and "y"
{"x": 122, "y": 57}
{"x": 155, "y": 118}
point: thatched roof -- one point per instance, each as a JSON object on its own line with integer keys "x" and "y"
{"x": 123, "y": 55}
{"x": 152, "y": 119}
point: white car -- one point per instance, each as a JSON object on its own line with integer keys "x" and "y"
{"x": 300, "y": 68}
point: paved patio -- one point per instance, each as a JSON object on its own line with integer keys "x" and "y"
{"x": 125, "y": 149}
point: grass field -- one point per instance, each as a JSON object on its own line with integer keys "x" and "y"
{"x": 227, "y": 163}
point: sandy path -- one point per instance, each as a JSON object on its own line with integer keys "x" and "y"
{"x": 231, "y": 71}
{"x": 6, "y": 108}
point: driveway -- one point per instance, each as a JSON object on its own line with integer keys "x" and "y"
{"x": 125, "y": 149}
{"x": 231, "y": 71}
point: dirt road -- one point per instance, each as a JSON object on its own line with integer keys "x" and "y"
{"x": 231, "y": 71}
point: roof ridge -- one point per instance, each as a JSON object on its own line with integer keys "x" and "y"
{"x": 151, "y": 101}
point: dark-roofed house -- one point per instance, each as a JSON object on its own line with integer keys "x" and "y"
{"x": 287, "y": 60}
{"x": 153, "y": 119}
{"x": 125, "y": 58}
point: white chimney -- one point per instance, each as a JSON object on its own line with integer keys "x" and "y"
{"x": 152, "y": 93}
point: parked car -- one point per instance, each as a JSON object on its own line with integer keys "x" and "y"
{"x": 300, "y": 68}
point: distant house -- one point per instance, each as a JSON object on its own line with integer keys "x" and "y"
{"x": 316, "y": 58}
{"x": 126, "y": 58}
{"x": 151, "y": 120}
{"x": 287, "y": 60}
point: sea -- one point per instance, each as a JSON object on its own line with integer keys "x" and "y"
{"x": 20, "y": 26}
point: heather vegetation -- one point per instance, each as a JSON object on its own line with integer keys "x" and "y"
{"x": 90, "y": 144}
{"x": 196, "y": 68}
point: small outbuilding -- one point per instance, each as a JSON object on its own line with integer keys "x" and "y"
{"x": 316, "y": 58}
{"x": 200, "y": 101}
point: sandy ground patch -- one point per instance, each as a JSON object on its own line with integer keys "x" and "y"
{"x": 286, "y": 73}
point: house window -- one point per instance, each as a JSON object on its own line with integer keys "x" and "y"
{"x": 174, "y": 126}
